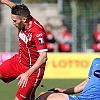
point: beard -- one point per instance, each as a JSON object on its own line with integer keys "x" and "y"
{"x": 21, "y": 26}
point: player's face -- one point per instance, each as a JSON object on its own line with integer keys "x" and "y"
{"x": 18, "y": 22}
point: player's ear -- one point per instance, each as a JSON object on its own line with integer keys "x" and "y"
{"x": 24, "y": 19}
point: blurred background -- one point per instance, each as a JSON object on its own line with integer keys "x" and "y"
{"x": 80, "y": 16}
{"x": 73, "y": 40}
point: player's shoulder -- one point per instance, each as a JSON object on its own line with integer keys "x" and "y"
{"x": 36, "y": 29}
{"x": 36, "y": 26}
{"x": 96, "y": 60}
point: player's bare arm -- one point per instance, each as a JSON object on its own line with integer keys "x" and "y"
{"x": 8, "y": 3}
{"x": 42, "y": 59}
{"x": 24, "y": 77}
{"x": 54, "y": 95}
{"x": 77, "y": 89}
{"x": 81, "y": 86}
{"x": 73, "y": 90}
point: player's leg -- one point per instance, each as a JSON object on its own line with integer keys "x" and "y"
{"x": 44, "y": 95}
{"x": 58, "y": 96}
{"x": 28, "y": 92}
{"x": 7, "y": 72}
{"x": 39, "y": 78}
{"x": 53, "y": 96}
{"x": 16, "y": 98}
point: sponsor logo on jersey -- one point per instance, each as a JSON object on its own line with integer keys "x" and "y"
{"x": 97, "y": 73}
{"x": 39, "y": 35}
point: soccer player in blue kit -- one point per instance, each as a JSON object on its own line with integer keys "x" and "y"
{"x": 88, "y": 89}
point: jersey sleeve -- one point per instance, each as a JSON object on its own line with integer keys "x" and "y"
{"x": 91, "y": 68}
{"x": 40, "y": 40}
{"x": 90, "y": 71}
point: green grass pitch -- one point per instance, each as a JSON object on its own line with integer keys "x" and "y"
{"x": 8, "y": 91}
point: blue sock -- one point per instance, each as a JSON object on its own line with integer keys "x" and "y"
{"x": 38, "y": 99}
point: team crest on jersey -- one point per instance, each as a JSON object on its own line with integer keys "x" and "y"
{"x": 97, "y": 73}
{"x": 41, "y": 41}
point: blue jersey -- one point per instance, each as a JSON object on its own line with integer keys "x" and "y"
{"x": 92, "y": 88}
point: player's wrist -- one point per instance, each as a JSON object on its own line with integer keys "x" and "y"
{"x": 28, "y": 74}
{"x": 69, "y": 91}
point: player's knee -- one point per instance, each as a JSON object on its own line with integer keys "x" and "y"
{"x": 16, "y": 98}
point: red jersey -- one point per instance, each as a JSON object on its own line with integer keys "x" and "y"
{"x": 65, "y": 42}
{"x": 97, "y": 36}
{"x": 31, "y": 42}
{"x": 96, "y": 44}
{"x": 50, "y": 41}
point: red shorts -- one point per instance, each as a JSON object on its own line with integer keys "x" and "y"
{"x": 12, "y": 68}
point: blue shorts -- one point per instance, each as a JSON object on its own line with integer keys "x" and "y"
{"x": 72, "y": 97}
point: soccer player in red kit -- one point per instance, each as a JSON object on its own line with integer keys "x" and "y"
{"x": 29, "y": 64}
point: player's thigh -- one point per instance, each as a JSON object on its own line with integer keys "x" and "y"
{"x": 53, "y": 96}
{"x": 8, "y": 70}
{"x": 58, "y": 96}
{"x": 28, "y": 92}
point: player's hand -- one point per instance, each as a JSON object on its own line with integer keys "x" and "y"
{"x": 4, "y": 1}
{"x": 57, "y": 90}
{"x": 8, "y": 3}
{"x": 60, "y": 90}
{"x": 23, "y": 79}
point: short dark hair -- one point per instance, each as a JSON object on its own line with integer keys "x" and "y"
{"x": 20, "y": 10}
